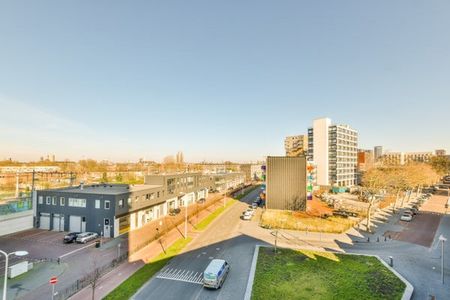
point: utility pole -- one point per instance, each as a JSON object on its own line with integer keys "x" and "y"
{"x": 185, "y": 218}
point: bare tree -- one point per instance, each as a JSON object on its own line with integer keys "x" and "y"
{"x": 373, "y": 182}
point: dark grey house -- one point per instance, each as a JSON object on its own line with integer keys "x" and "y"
{"x": 101, "y": 208}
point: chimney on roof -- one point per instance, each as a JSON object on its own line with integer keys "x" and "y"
{"x": 81, "y": 185}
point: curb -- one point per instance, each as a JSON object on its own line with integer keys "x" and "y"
{"x": 251, "y": 276}
{"x": 407, "y": 294}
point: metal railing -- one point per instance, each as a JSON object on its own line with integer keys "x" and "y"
{"x": 89, "y": 279}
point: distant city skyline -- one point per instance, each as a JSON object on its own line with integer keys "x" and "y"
{"x": 219, "y": 81}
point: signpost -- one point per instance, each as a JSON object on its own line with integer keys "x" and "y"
{"x": 53, "y": 282}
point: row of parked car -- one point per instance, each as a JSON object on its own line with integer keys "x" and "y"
{"x": 80, "y": 237}
{"x": 409, "y": 214}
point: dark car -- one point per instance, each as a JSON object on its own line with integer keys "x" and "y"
{"x": 71, "y": 237}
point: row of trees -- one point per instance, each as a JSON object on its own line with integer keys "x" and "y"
{"x": 397, "y": 181}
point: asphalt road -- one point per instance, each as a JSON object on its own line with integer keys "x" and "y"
{"x": 181, "y": 278}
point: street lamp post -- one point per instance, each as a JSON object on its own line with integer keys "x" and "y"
{"x": 442, "y": 239}
{"x": 17, "y": 253}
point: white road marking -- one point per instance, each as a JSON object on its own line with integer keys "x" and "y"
{"x": 211, "y": 257}
{"x": 182, "y": 275}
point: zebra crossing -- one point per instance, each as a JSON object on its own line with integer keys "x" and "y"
{"x": 181, "y": 275}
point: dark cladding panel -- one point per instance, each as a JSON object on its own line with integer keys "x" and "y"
{"x": 286, "y": 183}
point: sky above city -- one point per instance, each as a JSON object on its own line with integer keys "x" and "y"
{"x": 219, "y": 80}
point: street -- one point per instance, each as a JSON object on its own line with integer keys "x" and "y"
{"x": 180, "y": 279}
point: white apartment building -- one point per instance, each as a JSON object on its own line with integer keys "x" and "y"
{"x": 333, "y": 149}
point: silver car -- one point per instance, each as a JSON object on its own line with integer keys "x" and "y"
{"x": 85, "y": 237}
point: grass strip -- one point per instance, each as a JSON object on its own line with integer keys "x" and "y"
{"x": 206, "y": 221}
{"x": 130, "y": 286}
{"x": 291, "y": 274}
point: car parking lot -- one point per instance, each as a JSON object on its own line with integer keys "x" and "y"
{"x": 40, "y": 244}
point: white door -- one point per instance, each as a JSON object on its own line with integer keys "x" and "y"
{"x": 56, "y": 223}
{"x": 106, "y": 228}
{"x": 44, "y": 221}
{"x": 61, "y": 223}
{"x": 83, "y": 224}
{"x": 75, "y": 224}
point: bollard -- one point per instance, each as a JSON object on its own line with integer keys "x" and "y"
{"x": 368, "y": 239}
{"x": 391, "y": 261}
{"x": 390, "y": 237}
{"x": 385, "y": 239}
{"x": 378, "y": 239}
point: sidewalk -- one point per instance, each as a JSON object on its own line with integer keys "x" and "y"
{"x": 111, "y": 280}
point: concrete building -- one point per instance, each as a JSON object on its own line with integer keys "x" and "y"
{"x": 441, "y": 152}
{"x": 365, "y": 160}
{"x": 251, "y": 171}
{"x": 402, "y": 158}
{"x": 378, "y": 152}
{"x": 296, "y": 145}
{"x": 286, "y": 183}
{"x": 333, "y": 148}
{"x": 113, "y": 209}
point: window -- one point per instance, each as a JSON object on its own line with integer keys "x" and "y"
{"x": 41, "y": 199}
{"x": 62, "y": 201}
{"x": 106, "y": 204}
{"x": 157, "y": 195}
{"x": 76, "y": 202}
{"x": 152, "y": 196}
{"x": 129, "y": 201}
{"x": 47, "y": 200}
{"x": 54, "y": 200}
{"x": 121, "y": 203}
{"x": 97, "y": 204}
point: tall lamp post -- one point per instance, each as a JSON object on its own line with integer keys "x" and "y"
{"x": 17, "y": 253}
{"x": 442, "y": 239}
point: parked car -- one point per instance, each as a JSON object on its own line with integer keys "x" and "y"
{"x": 215, "y": 274}
{"x": 254, "y": 205}
{"x": 248, "y": 214}
{"x": 411, "y": 211}
{"x": 174, "y": 211}
{"x": 406, "y": 217}
{"x": 340, "y": 213}
{"x": 85, "y": 237}
{"x": 71, "y": 237}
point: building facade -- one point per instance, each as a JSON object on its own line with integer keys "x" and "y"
{"x": 114, "y": 209}
{"x": 296, "y": 145}
{"x": 377, "y": 152}
{"x": 402, "y": 158}
{"x": 251, "y": 171}
{"x": 333, "y": 148}
{"x": 286, "y": 183}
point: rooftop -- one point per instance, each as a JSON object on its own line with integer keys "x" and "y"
{"x": 106, "y": 188}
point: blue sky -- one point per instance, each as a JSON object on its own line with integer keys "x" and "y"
{"x": 219, "y": 80}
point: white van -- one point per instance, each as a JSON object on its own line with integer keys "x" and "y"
{"x": 215, "y": 273}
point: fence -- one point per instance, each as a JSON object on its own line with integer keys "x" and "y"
{"x": 16, "y": 205}
{"x": 89, "y": 279}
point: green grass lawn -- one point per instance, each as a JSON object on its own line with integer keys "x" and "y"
{"x": 130, "y": 286}
{"x": 308, "y": 275}
{"x": 206, "y": 221}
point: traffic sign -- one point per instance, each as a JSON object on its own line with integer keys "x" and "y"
{"x": 53, "y": 280}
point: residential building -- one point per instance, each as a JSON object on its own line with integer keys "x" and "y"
{"x": 296, "y": 145}
{"x": 251, "y": 171}
{"x": 103, "y": 208}
{"x": 365, "y": 160}
{"x": 286, "y": 183}
{"x": 378, "y": 152}
{"x": 333, "y": 148}
{"x": 113, "y": 209}
{"x": 402, "y": 158}
{"x": 441, "y": 152}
